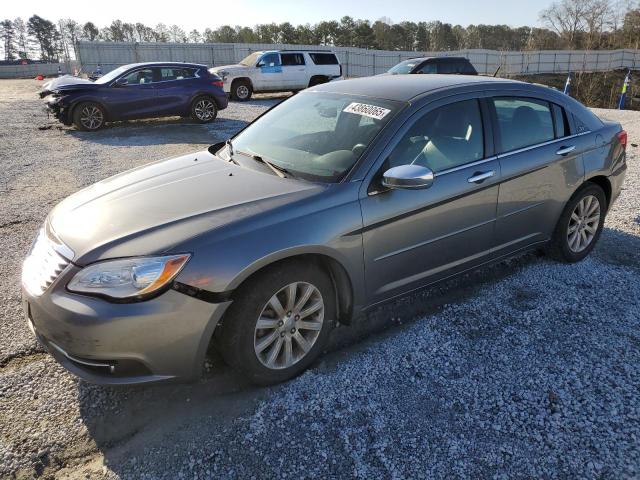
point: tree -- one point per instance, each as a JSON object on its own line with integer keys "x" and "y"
{"x": 7, "y": 33}
{"x": 90, "y": 31}
{"x": 363, "y": 35}
{"x": 194, "y": 36}
{"x": 631, "y": 29}
{"x": 161, "y": 33}
{"x": 176, "y": 34}
{"x": 22, "y": 39}
{"x": 46, "y": 37}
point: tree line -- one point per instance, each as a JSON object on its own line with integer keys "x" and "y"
{"x": 568, "y": 24}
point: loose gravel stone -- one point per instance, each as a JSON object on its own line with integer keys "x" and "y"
{"x": 525, "y": 369}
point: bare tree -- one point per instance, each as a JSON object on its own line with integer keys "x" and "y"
{"x": 566, "y": 18}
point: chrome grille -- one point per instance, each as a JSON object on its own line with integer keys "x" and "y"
{"x": 43, "y": 264}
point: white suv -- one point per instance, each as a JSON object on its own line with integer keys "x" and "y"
{"x": 278, "y": 71}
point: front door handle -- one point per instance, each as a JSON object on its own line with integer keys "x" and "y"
{"x": 565, "y": 150}
{"x": 481, "y": 177}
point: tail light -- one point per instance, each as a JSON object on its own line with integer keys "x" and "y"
{"x": 217, "y": 83}
{"x": 340, "y": 69}
{"x": 622, "y": 136}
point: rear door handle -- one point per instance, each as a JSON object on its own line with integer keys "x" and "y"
{"x": 480, "y": 177}
{"x": 565, "y": 150}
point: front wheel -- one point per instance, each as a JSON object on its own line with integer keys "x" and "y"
{"x": 204, "y": 109}
{"x": 580, "y": 224}
{"x": 241, "y": 90}
{"x": 279, "y": 323}
{"x": 88, "y": 116}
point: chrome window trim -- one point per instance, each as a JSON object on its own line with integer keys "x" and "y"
{"x": 543, "y": 144}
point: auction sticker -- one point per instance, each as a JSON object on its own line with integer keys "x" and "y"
{"x": 366, "y": 110}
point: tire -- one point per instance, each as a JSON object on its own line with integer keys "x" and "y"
{"x": 585, "y": 219}
{"x": 204, "y": 109}
{"x": 89, "y": 116}
{"x": 241, "y": 90}
{"x": 250, "y": 349}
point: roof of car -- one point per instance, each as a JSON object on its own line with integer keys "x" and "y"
{"x": 406, "y": 87}
{"x": 446, "y": 59}
{"x": 179, "y": 64}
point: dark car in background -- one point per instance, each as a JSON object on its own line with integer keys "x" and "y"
{"x": 446, "y": 65}
{"x": 140, "y": 90}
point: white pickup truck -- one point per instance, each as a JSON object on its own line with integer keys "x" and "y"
{"x": 278, "y": 71}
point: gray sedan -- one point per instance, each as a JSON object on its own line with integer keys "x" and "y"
{"x": 347, "y": 195}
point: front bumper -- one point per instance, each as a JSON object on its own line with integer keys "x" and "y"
{"x": 165, "y": 338}
{"x": 58, "y": 110}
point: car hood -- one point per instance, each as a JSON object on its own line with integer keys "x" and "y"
{"x": 229, "y": 68}
{"x": 151, "y": 209}
{"x": 64, "y": 82}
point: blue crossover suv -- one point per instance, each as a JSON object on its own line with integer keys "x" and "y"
{"x": 139, "y": 90}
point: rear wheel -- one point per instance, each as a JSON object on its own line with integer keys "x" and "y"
{"x": 241, "y": 90}
{"x": 88, "y": 116}
{"x": 580, "y": 224}
{"x": 279, "y": 323}
{"x": 204, "y": 109}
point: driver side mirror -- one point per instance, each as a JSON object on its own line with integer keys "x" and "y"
{"x": 121, "y": 82}
{"x": 408, "y": 177}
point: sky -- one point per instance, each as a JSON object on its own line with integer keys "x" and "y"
{"x": 202, "y": 14}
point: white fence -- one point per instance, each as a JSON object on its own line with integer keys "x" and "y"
{"x": 34, "y": 69}
{"x": 357, "y": 62}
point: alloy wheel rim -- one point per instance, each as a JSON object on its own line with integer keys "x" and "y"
{"x": 242, "y": 91}
{"x": 91, "y": 117}
{"x": 204, "y": 110}
{"x": 583, "y": 223}
{"x": 289, "y": 325}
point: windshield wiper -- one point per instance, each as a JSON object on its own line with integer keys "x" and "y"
{"x": 277, "y": 169}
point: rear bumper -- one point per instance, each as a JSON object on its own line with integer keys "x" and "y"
{"x": 617, "y": 178}
{"x": 162, "y": 339}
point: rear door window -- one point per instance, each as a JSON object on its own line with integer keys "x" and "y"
{"x": 523, "y": 122}
{"x": 323, "y": 58}
{"x": 167, "y": 74}
{"x": 292, "y": 59}
{"x": 447, "y": 137}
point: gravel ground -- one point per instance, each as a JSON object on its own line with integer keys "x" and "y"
{"x": 525, "y": 369}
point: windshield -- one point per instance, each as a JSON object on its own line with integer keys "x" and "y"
{"x": 315, "y": 135}
{"x": 250, "y": 60}
{"x": 404, "y": 67}
{"x": 113, "y": 74}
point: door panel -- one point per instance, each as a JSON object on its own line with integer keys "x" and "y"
{"x": 412, "y": 237}
{"x": 539, "y": 176}
{"x": 294, "y": 70}
{"x": 173, "y": 91}
{"x": 269, "y": 75}
{"x": 136, "y": 99}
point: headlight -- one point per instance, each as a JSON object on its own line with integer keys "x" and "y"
{"x": 129, "y": 278}
{"x": 223, "y": 75}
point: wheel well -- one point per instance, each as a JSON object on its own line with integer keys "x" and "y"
{"x": 72, "y": 112}
{"x": 319, "y": 78}
{"x": 340, "y": 279}
{"x": 242, "y": 79}
{"x": 604, "y": 183}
